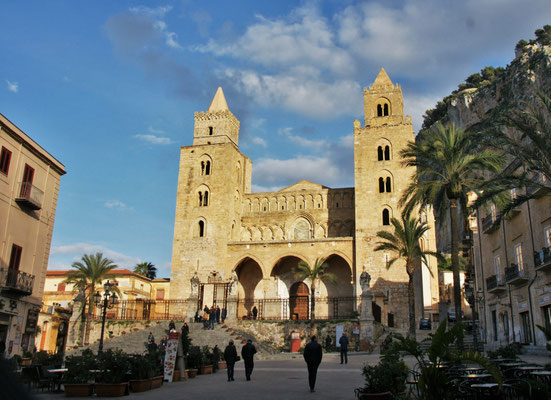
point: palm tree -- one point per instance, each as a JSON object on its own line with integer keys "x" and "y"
{"x": 146, "y": 269}
{"x": 450, "y": 163}
{"x": 318, "y": 272}
{"x": 405, "y": 243}
{"x": 86, "y": 276}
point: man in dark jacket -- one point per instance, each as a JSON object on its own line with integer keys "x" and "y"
{"x": 247, "y": 352}
{"x": 230, "y": 355}
{"x": 343, "y": 341}
{"x": 313, "y": 355}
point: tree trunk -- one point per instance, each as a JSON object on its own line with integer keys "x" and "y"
{"x": 89, "y": 317}
{"x": 455, "y": 262}
{"x": 411, "y": 303}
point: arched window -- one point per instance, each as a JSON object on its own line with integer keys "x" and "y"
{"x": 200, "y": 199}
{"x": 386, "y": 217}
{"x": 388, "y": 185}
{"x": 380, "y": 153}
{"x": 385, "y": 110}
{"x": 387, "y": 152}
{"x": 202, "y": 168}
{"x": 302, "y": 229}
{"x": 206, "y": 198}
{"x": 381, "y": 185}
{"x": 379, "y": 110}
{"x": 207, "y": 168}
{"x": 211, "y": 130}
{"x": 201, "y": 228}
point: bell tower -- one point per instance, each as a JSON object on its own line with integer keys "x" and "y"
{"x": 217, "y": 124}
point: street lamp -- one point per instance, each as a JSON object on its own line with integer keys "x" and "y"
{"x": 108, "y": 300}
{"x": 472, "y": 297}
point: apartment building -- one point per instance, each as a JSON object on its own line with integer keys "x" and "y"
{"x": 29, "y": 187}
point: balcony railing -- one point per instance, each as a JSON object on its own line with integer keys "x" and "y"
{"x": 542, "y": 259}
{"x": 515, "y": 275}
{"x": 495, "y": 284}
{"x": 489, "y": 224}
{"x": 30, "y": 196}
{"x": 16, "y": 281}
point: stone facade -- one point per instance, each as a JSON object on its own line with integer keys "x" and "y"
{"x": 225, "y": 233}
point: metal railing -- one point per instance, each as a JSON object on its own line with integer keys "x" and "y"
{"x": 489, "y": 223}
{"x": 30, "y": 195}
{"x": 16, "y": 280}
{"x": 514, "y": 272}
{"x": 493, "y": 282}
{"x": 146, "y": 310}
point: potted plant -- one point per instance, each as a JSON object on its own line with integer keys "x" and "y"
{"x": 113, "y": 366}
{"x": 221, "y": 362}
{"x": 193, "y": 361}
{"x": 206, "y": 361}
{"x": 156, "y": 358}
{"x": 27, "y": 358}
{"x": 78, "y": 378}
{"x": 142, "y": 368}
{"x": 384, "y": 380}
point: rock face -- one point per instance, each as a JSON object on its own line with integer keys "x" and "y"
{"x": 527, "y": 74}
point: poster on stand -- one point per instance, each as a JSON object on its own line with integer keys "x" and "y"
{"x": 170, "y": 355}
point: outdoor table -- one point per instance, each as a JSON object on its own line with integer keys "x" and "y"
{"x": 530, "y": 368}
{"x": 59, "y": 375}
{"x": 542, "y": 376}
{"x": 58, "y": 370}
{"x": 473, "y": 370}
{"x": 512, "y": 364}
{"x": 476, "y": 376}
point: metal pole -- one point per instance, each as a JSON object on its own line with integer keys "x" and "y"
{"x": 475, "y": 340}
{"x": 100, "y": 349}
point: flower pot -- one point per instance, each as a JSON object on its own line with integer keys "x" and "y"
{"x": 78, "y": 389}
{"x": 156, "y": 382}
{"x": 140, "y": 385}
{"x": 205, "y": 369}
{"x": 25, "y": 361}
{"x": 222, "y": 365}
{"x": 111, "y": 389}
{"x": 191, "y": 373}
{"x": 176, "y": 376}
{"x": 361, "y": 394}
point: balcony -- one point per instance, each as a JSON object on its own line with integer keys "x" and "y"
{"x": 542, "y": 259}
{"x": 17, "y": 282}
{"x": 30, "y": 196}
{"x": 495, "y": 285}
{"x": 536, "y": 191}
{"x": 515, "y": 275}
{"x": 489, "y": 224}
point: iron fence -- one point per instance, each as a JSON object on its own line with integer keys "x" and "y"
{"x": 146, "y": 310}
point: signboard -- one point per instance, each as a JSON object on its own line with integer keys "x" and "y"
{"x": 170, "y": 355}
{"x": 32, "y": 319}
{"x": 523, "y": 306}
{"x": 339, "y": 330}
{"x": 8, "y": 306}
{"x": 295, "y": 335}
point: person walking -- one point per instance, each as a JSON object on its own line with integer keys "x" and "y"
{"x": 343, "y": 341}
{"x": 217, "y": 314}
{"x": 328, "y": 343}
{"x": 212, "y": 318}
{"x": 224, "y": 314}
{"x": 255, "y": 312}
{"x": 313, "y": 354}
{"x": 247, "y": 352}
{"x": 172, "y": 326}
{"x": 185, "y": 329}
{"x": 230, "y": 355}
{"x": 150, "y": 338}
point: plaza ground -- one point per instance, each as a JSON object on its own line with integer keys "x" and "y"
{"x": 284, "y": 377}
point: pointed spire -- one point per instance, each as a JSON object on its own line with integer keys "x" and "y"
{"x": 382, "y": 79}
{"x": 218, "y": 103}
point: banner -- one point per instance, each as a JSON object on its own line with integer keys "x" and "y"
{"x": 170, "y": 355}
{"x": 339, "y": 330}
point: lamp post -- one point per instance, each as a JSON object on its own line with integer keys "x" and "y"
{"x": 108, "y": 300}
{"x": 472, "y": 297}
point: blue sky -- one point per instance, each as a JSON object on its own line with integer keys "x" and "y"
{"x": 110, "y": 87}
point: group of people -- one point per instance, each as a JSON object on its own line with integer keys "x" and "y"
{"x": 210, "y": 316}
{"x": 247, "y": 352}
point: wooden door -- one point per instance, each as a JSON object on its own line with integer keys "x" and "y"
{"x": 299, "y": 301}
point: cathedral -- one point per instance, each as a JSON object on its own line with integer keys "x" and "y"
{"x": 240, "y": 250}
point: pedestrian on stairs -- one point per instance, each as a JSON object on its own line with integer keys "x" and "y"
{"x": 212, "y": 318}
{"x": 172, "y": 326}
{"x": 185, "y": 329}
{"x": 198, "y": 315}
{"x": 247, "y": 352}
{"x": 217, "y": 312}
{"x": 230, "y": 355}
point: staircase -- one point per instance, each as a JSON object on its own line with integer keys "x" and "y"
{"x": 135, "y": 342}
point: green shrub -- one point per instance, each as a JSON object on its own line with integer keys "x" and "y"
{"x": 79, "y": 367}
{"x": 114, "y": 366}
{"x": 143, "y": 366}
{"x": 511, "y": 350}
{"x": 387, "y": 376}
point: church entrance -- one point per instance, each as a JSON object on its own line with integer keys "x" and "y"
{"x": 299, "y": 300}
{"x": 214, "y": 292}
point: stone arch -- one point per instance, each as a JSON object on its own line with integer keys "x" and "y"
{"x": 384, "y": 149}
{"x": 256, "y": 235}
{"x": 385, "y": 181}
{"x": 278, "y": 232}
{"x": 200, "y": 228}
{"x": 284, "y": 275}
{"x": 202, "y": 197}
{"x": 273, "y": 204}
{"x": 246, "y": 235}
{"x": 247, "y": 206}
{"x": 318, "y": 201}
{"x": 255, "y": 204}
{"x": 266, "y": 233}
{"x": 321, "y": 231}
{"x": 341, "y": 267}
{"x": 205, "y": 165}
{"x": 264, "y": 205}
{"x": 249, "y": 288}
{"x": 295, "y": 223}
{"x": 282, "y": 203}
{"x": 383, "y": 107}
{"x": 386, "y": 214}
{"x": 309, "y": 202}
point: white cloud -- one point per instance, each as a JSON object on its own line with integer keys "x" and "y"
{"x": 153, "y": 139}
{"x": 259, "y": 141}
{"x": 171, "y": 40}
{"x": 13, "y": 86}
{"x": 116, "y": 204}
{"x": 153, "y": 12}
{"x": 77, "y": 250}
